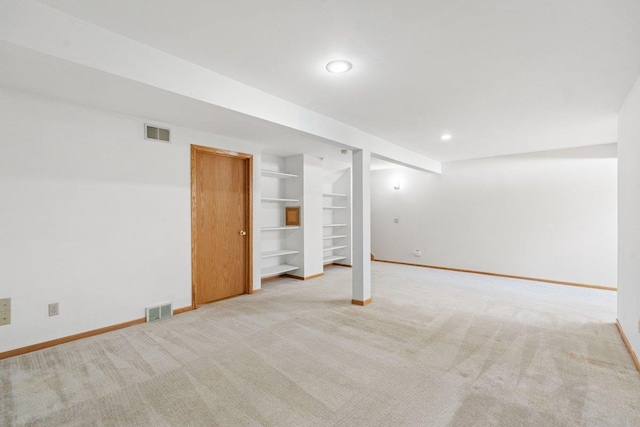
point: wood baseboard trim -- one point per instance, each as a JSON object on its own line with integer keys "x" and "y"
{"x": 291, "y": 276}
{"x": 255, "y": 291}
{"x": 510, "y": 276}
{"x": 342, "y": 265}
{"x": 628, "y": 345}
{"x": 361, "y": 303}
{"x": 183, "y": 310}
{"x": 47, "y": 344}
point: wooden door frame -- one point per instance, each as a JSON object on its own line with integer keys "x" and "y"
{"x": 249, "y": 214}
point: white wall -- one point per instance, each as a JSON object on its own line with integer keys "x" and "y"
{"x": 629, "y": 217}
{"x": 549, "y": 215}
{"x": 93, "y": 217}
{"x": 66, "y": 37}
{"x": 312, "y": 215}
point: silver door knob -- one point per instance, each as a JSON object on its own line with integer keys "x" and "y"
{"x": 243, "y": 233}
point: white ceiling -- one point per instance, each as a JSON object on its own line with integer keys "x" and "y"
{"x": 503, "y": 76}
{"x": 41, "y": 74}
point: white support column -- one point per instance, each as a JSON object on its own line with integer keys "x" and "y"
{"x": 361, "y": 227}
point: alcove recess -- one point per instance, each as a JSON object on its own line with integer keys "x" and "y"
{"x": 336, "y": 224}
{"x": 324, "y": 234}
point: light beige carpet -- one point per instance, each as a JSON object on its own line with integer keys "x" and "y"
{"x": 434, "y": 348}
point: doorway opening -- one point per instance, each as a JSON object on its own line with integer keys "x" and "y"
{"x": 221, "y": 224}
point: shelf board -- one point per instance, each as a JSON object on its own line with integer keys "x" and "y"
{"x": 335, "y": 236}
{"x": 274, "y": 199}
{"x": 330, "y": 259}
{"x": 334, "y": 207}
{"x": 334, "y": 225}
{"x": 334, "y": 195}
{"x": 280, "y": 227}
{"x": 281, "y": 252}
{"x": 332, "y": 248}
{"x": 276, "y": 269}
{"x": 276, "y": 174}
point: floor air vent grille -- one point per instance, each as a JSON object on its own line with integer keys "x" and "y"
{"x": 159, "y": 312}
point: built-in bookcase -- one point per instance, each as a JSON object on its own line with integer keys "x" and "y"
{"x": 336, "y": 216}
{"x": 323, "y": 235}
{"x": 278, "y": 253}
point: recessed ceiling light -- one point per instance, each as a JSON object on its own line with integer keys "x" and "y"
{"x": 339, "y": 66}
{"x": 445, "y": 137}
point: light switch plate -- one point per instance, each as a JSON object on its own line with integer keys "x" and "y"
{"x": 5, "y": 304}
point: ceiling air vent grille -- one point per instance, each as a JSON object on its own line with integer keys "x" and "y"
{"x": 159, "y": 312}
{"x": 157, "y": 133}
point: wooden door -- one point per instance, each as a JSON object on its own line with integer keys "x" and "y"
{"x": 221, "y": 224}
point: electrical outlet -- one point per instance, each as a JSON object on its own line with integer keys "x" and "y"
{"x": 54, "y": 309}
{"x": 5, "y": 318}
{"x": 5, "y": 311}
{"x": 417, "y": 252}
{"x": 396, "y": 220}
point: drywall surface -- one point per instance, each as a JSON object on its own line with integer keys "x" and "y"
{"x": 549, "y": 215}
{"x": 66, "y": 37}
{"x": 629, "y": 217}
{"x": 361, "y": 226}
{"x": 312, "y": 214}
{"x": 93, "y": 216}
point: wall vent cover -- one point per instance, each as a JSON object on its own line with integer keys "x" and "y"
{"x": 159, "y": 312}
{"x": 157, "y": 133}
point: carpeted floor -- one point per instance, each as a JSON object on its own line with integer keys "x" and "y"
{"x": 434, "y": 348}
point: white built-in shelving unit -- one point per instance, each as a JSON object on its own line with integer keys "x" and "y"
{"x": 275, "y": 270}
{"x": 282, "y": 252}
{"x": 333, "y": 258}
{"x": 280, "y": 227}
{"x": 275, "y": 255}
{"x": 277, "y": 174}
{"x": 333, "y": 248}
{"x": 324, "y": 236}
{"x": 276, "y": 199}
{"x": 336, "y": 225}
